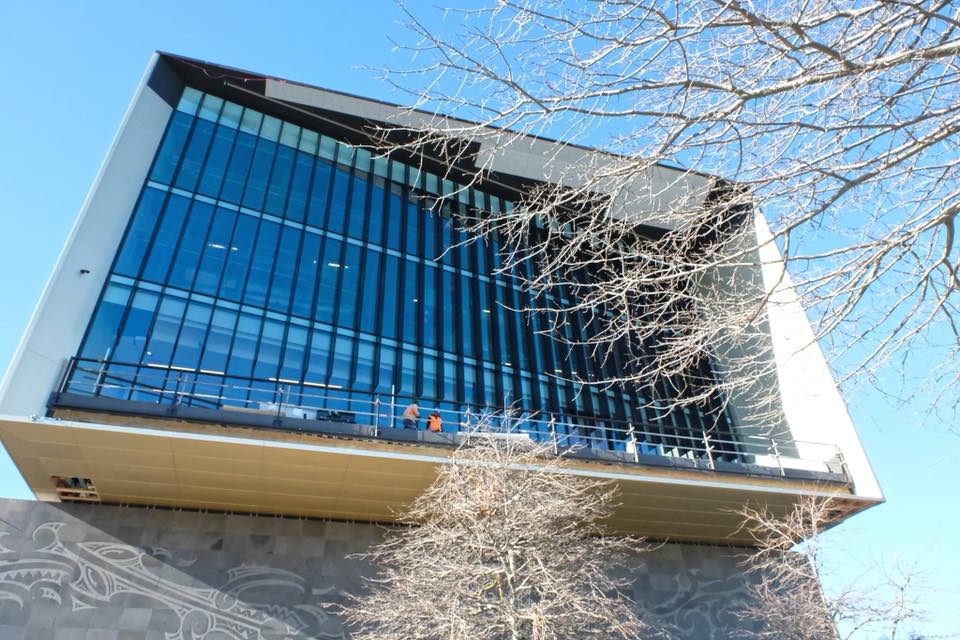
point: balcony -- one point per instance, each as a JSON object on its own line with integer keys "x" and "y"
{"x": 188, "y": 439}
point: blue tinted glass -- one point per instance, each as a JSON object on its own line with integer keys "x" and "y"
{"x": 216, "y": 166}
{"x": 106, "y": 322}
{"x": 191, "y": 244}
{"x": 168, "y": 157}
{"x": 261, "y": 264}
{"x": 167, "y": 237}
{"x": 410, "y": 302}
{"x": 192, "y": 335}
{"x": 371, "y": 299}
{"x": 448, "y": 304}
{"x": 215, "y": 251}
{"x": 193, "y": 157}
{"x": 238, "y": 258}
{"x": 338, "y": 201}
{"x": 133, "y": 335}
{"x": 294, "y": 353}
{"x": 280, "y": 181}
{"x": 286, "y": 262}
{"x": 349, "y": 287}
{"x": 391, "y": 297}
{"x": 140, "y": 233}
{"x": 330, "y": 269}
{"x": 299, "y": 187}
{"x": 268, "y": 356}
{"x": 216, "y": 348}
{"x": 244, "y": 345}
{"x": 388, "y": 361}
{"x": 342, "y": 361}
{"x": 256, "y": 188}
{"x": 413, "y": 233}
{"x": 377, "y": 203}
{"x": 238, "y": 168}
{"x": 319, "y": 190}
{"x": 318, "y": 362}
{"x": 306, "y": 276}
{"x": 166, "y": 325}
{"x": 357, "y": 216}
{"x": 431, "y": 305}
{"x": 363, "y": 379}
{"x": 395, "y": 219}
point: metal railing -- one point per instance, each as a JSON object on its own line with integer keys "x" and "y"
{"x": 292, "y": 400}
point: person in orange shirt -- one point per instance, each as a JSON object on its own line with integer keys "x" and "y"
{"x": 434, "y": 423}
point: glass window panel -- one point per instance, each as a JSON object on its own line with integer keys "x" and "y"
{"x": 408, "y": 376}
{"x": 319, "y": 190}
{"x": 238, "y": 168}
{"x": 429, "y": 387}
{"x": 270, "y": 129}
{"x": 218, "y": 246}
{"x": 133, "y": 336}
{"x": 391, "y": 296}
{"x": 267, "y": 364}
{"x": 306, "y": 276}
{"x": 106, "y": 322}
{"x": 371, "y": 298}
{"x": 319, "y": 359}
{"x": 192, "y": 335}
{"x": 168, "y": 157}
{"x": 283, "y": 270}
{"x": 167, "y": 236}
{"x": 216, "y": 165}
{"x": 210, "y": 110}
{"x": 294, "y": 353}
{"x": 261, "y": 265}
{"x": 412, "y": 316}
{"x": 342, "y": 361}
{"x": 328, "y": 148}
{"x": 357, "y": 217}
{"x": 244, "y": 346}
{"x": 363, "y": 379}
{"x": 216, "y": 348}
{"x": 467, "y": 314}
{"x": 338, "y": 201}
{"x": 140, "y": 233}
{"x": 280, "y": 181}
{"x": 349, "y": 287}
{"x": 289, "y": 134}
{"x": 330, "y": 270}
{"x": 256, "y": 188}
{"x": 308, "y": 141}
{"x": 388, "y": 360}
{"x": 231, "y": 114}
{"x": 195, "y": 154}
{"x": 377, "y": 200}
{"x": 189, "y": 101}
{"x": 191, "y": 244}
{"x": 431, "y": 303}
{"x": 238, "y": 258}
{"x": 413, "y": 229}
{"x": 299, "y": 187}
{"x": 163, "y": 336}
{"x": 395, "y": 219}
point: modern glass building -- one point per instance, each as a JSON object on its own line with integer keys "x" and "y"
{"x": 251, "y": 297}
{"x": 269, "y": 264}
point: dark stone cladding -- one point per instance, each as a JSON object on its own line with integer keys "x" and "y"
{"x": 71, "y": 571}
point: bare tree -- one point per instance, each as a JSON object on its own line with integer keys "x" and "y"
{"x": 837, "y": 119}
{"x": 787, "y": 598}
{"x": 504, "y": 544}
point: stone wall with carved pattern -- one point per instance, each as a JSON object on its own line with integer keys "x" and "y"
{"x": 70, "y": 572}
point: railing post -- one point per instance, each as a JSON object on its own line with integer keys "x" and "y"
{"x": 553, "y": 434}
{"x": 776, "y": 454}
{"x": 376, "y": 414}
{"x": 466, "y": 419}
{"x": 709, "y": 448}
{"x": 393, "y": 406}
{"x": 633, "y": 442}
{"x": 280, "y": 402}
{"x": 99, "y": 381}
{"x": 843, "y": 463}
{"x": 71, "y": 365}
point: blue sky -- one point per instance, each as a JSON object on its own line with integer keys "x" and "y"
{"x": 69, "y": 72}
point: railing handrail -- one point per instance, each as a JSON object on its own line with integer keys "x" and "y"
{"x": 706, "y": 442}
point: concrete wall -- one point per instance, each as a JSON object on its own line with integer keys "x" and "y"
{"x": 104, "y": 572}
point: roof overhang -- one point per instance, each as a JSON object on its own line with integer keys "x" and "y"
{"x": 222, "y": 468}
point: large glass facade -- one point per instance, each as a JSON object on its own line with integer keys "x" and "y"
{"x": 265, "y": 260}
